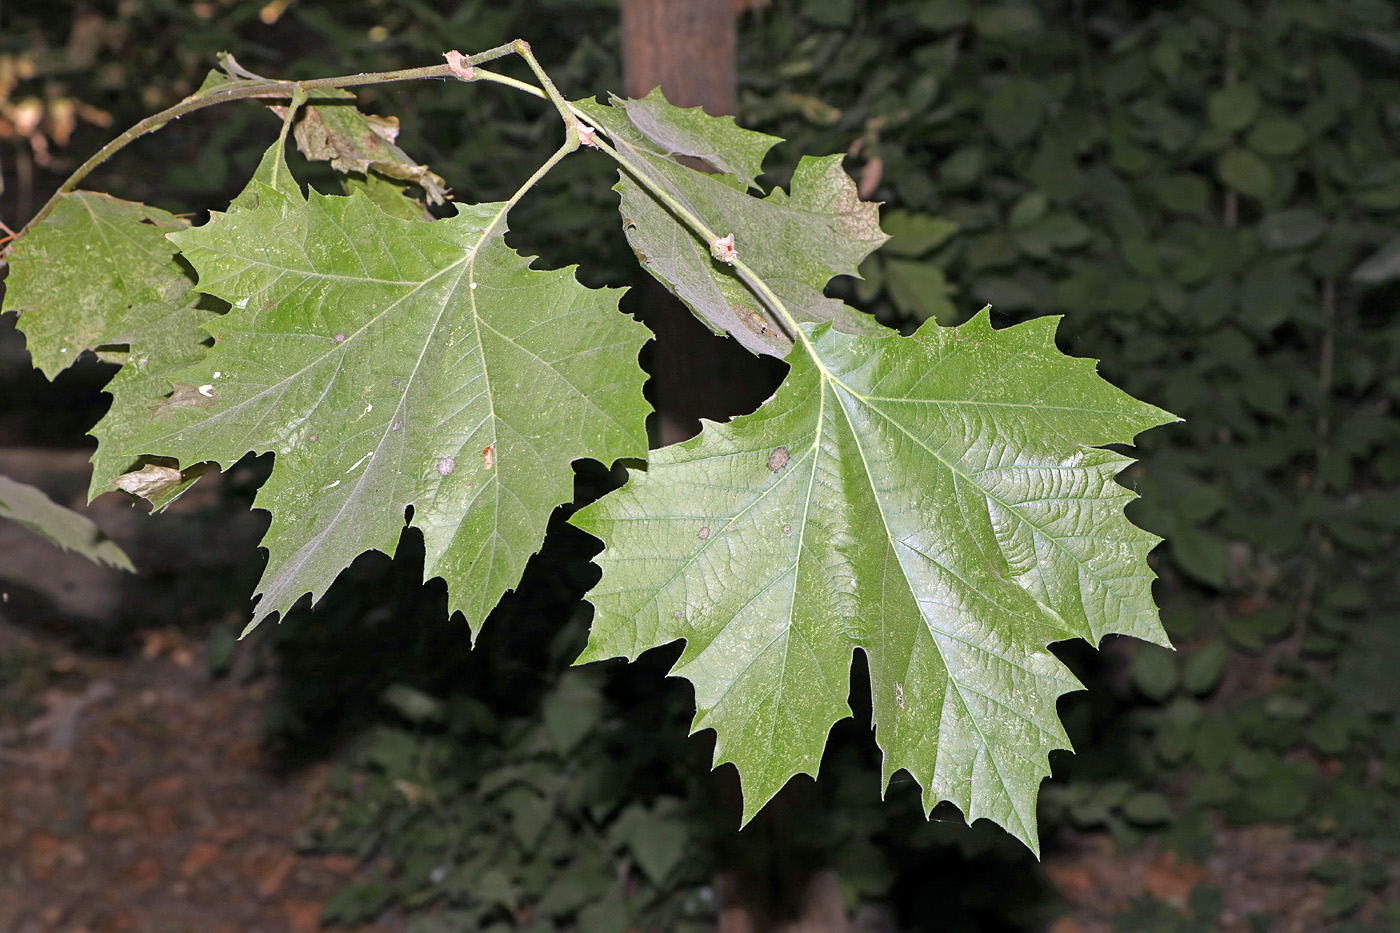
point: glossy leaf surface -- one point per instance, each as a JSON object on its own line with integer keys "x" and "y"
{"x": 939, "y": 502}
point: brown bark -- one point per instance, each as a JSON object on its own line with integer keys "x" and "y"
{"x": 685, "y": 47}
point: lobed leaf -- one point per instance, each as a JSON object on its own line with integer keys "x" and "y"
{"x": 939, "y": 502}
{"x": 391, "y": 363}
{"x": 796, "y": 242}
{"x": 99, "y": 274}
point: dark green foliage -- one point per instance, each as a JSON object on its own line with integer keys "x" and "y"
{"x": 1209, "y": 194}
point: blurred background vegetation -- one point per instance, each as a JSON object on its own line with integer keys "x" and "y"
{"x": 1208, "y": 191}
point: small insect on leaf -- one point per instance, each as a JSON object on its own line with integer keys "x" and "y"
{"x": 445, "y": 465}
{"x": 488, "y": 457}
{"x": 899, "y": 695}
{"x": 778, "y": 459}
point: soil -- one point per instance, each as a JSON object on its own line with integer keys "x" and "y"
{"x": 140, "y": 798}
{"x": 136, "y": 795}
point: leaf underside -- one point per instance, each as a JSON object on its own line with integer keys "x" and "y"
{"x": 795, "y": 242}
{"x": 939, "y": 502}
{"x": 98, "y": 274}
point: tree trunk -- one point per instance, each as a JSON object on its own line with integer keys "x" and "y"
{"x": 687, "y": 48}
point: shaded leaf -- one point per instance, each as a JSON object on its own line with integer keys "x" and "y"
{"x": 920, "y": 289}
{"x": 796, "y": 242}
{"x": 1246, "y": 173}
{"x": 358, "y": 142}
{"x": 1381, "y": 266}
{"x": 940, "y": 505}
{"x": 99, "y": 274}
{"x": 913, "y": 235}
{"x": 1233, "y": 108}
{"x": 1013, "y": 111}
{"x": 27, "y": 506}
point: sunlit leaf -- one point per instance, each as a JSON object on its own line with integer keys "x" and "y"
{"x": 391, "y": 363}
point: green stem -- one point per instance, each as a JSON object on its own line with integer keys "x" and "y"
{"x": 550, "y": 91}
{"x": 529, "y": 183}
{"x": 245, "y": 90}
{"x": 746, "y": 273}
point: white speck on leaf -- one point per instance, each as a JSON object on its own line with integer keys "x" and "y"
{"x": 207, "y": 390}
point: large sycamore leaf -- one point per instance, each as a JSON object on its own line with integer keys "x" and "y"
{"x": 796, "y": 242}
{"x": 99, "y": 274}
{"x": 940, "y": 502}
{"x": 391, "y": 363}
{"x": 22, "y": 503}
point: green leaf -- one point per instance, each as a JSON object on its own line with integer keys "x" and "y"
{"x": 1007, "y": 20}
{"x": 1277, "y": 137}
{"x": 936, "y": 501}
{"x": 1205, "y": 667}
{"x": 1013, "y": 111}
{"x": 1246, "y": 173}
{"x": 571, "y": 711}
{"x": 1155, "y": 673}
{"x": 98, "y": 273}
{"x": 939, "y": 15}
{"x": 1183, "y": 194}
{"x": 912, "y": 235}
{"x": 1233, "y": 108}
{"x": 657, "y": 837}
{"x": 1381, "y": 266}
{"x": 392, "y": 363}
{"x": 1147, "y": 809}
{"x": 22, "y": 503}
{"x": 921, "y": 290}
{"x": 1291, "y": 229}
{"x": 795, "y": 242}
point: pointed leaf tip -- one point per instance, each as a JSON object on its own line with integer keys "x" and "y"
{"x": 940, "y": 503}
{"x": 368, "y": 352}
